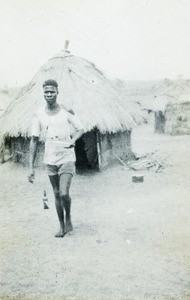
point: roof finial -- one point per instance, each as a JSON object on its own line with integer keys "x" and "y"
{"x": 66, "y": 46}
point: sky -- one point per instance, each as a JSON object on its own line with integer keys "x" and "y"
{"x": 127, "y": 39}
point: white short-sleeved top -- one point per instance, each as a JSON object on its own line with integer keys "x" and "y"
{"x": 57, "y": 131}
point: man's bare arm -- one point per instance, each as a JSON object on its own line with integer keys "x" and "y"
{"x": 77, "y": 136}
{"x": 32, "y": 150}
{"x": 78, "y": 127}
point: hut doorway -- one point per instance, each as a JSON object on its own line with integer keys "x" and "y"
{"x": 159, "y": 122}
{"x": 86, "y": 152}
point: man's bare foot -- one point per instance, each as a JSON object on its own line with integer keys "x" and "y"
{"x": 60, "y": 234}
{"x": 68, "y": 226}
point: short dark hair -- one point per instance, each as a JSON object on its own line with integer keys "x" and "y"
{"x": 51, "y": 82}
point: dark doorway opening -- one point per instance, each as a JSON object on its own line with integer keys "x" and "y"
{"x": 160, "y": 122}
{"x": 86, "y": 152}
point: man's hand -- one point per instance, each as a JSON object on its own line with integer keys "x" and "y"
{"x": 31, "y": 176}
{"x": 69, "y": 146}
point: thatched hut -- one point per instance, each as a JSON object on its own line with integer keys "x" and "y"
{"x": 83, "y": 89}
{"x": 172, "y": 116}
{"x": 156, "y": 105}
{"x": 170, "y": 107}
{"x": 177, "y": 116}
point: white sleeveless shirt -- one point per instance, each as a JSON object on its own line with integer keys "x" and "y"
{"x": 57, "y": 131}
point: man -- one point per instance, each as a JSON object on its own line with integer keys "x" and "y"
{"x": 60, "y": 130}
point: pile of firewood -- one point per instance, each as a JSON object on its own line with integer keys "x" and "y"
{"x": 149, "y": 161}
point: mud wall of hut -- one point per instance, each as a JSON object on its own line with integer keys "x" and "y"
{"x": 86, "y": 151}
{"x": 115, "y": 144}
{"x": 111, "y": 145}
{"x": 19, "y": 149}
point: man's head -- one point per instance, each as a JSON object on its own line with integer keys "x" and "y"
{"x": 50, "y": 88}
{"x": 50, "y": 82}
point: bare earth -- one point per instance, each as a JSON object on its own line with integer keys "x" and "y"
{"x": 130, "y": 240}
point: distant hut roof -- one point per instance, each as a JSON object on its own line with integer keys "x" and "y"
{"x": 82, "y": 88}
{"x": 161, "y": 101}
{"x": 155, "y": 102}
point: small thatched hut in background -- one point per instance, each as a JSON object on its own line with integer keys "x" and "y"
{"x": 177, "y": 116}
{"x": 171, "y": 109}
{"x": 84, "y": 89}
{"x": 172, "y": 115}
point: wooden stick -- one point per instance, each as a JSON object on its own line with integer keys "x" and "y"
{"x": 99, "y": 150}
{"x": 121, "y": 161}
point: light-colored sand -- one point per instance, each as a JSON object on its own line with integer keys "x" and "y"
{"x": 130, "y": 241}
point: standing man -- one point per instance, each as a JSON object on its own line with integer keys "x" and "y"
{"x": 60, "y": 130}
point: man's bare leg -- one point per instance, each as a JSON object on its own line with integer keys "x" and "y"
{"x": 58, "y": 204}
{"x": 68, "y": 223}
{"x": 65, "y": 183}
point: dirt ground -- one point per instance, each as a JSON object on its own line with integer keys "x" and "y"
{"x": 130, "y": 240}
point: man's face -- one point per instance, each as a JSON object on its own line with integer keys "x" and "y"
{"x": 50, "y": 94}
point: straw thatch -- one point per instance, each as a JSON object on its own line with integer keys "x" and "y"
{"x": 82, "y": 88}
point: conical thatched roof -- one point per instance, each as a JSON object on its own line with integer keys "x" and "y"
{"x": 82, "y": 88}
